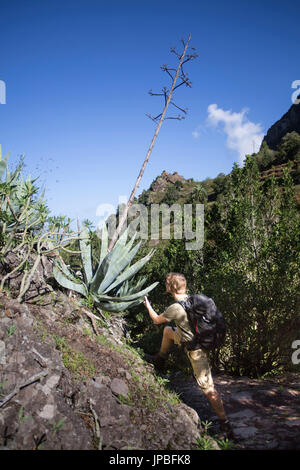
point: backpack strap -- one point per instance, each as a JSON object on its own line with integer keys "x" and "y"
{"x": 181, "y": 302}
{"x": 189, "y": 345}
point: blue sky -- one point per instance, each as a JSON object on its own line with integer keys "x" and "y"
{"x": 77, "y": 77}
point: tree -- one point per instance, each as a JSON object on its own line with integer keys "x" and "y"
{"x": 264, "y": 157}
{"x": 178, "y": 184}
{"x": 289, "y": 146}
{"x": 198, "y": 194}
{"x": 251, "y": 269}
{"x": 171, "y": 195}
{"x": 174, "y": 74}
{"x": 144, "y": 198}
{"x": 219, "y": 183}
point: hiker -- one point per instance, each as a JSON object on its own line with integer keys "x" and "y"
{"x": 176, "y": 286}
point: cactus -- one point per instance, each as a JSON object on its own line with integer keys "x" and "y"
{"x": 112, "y": 286}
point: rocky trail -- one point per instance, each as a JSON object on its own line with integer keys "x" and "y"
{"x": 265, "y": 414}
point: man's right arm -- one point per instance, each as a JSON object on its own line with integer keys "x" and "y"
{"x": 157, "y": 319}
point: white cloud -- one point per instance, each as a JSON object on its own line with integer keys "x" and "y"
{"x": 243, "y": 136}
{"x": 199, "y": 131}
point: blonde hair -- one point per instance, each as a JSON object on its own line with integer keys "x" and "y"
{"x": 175, "y": 283}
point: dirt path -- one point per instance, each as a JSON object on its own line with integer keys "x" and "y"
{"x": 265, "y": 414}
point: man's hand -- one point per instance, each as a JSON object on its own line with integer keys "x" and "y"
{"x": 157, "y": 319}
{"x": 147, "y": 303}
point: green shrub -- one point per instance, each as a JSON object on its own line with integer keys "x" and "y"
{"x": 251, "y": 269}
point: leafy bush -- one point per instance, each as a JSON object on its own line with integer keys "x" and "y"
{"x": 178, "y": 184}
{"x": 289, "y": 146}
{"x": 171, "y": 195}
{"x": 219, "y": 183}
{"x": 251, "y": 269}
{"x": 198, "y": 195}
{"x": 265, "y": 158}
{"x": 249, "y": 265}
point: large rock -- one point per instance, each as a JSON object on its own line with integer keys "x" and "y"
{"x": 38, "y": 416}
{"x": 289, "y": 122}
{"x": 39, "y": 283}
{"x": 58, "y": 410}
{"x": 164, "y": 179}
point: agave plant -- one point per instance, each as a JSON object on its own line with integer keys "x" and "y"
{"x": 112, "y": 284}
{"x": 17, "y": 205}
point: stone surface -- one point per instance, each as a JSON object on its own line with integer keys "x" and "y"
{"x": 38, "y": 286}
{"x": 244, "y": 414}
{"x": 289, "y": 122}
{"x": 119, "y": 387}
{"x": 245, "y": 432}
{"x": 55, "y": 412}
{"x": 261, "y": 414}
{"x": 164, "y": 179}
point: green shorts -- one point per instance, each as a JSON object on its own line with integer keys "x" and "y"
{"x": 200, "y": 364}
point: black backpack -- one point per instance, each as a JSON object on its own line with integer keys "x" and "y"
{"x": 206, "y": 322}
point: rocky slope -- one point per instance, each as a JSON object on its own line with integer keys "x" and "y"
{"x": 67, "y": 383}
{"x": 60, "y": 382}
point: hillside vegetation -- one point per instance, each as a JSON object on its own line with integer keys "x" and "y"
{"x": 249, "y": 264}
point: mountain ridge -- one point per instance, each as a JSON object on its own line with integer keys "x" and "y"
{"x": 280, "y": 145}
{"x": 289, "y": 122}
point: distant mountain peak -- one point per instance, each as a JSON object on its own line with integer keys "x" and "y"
{"x": 172, "y": 178}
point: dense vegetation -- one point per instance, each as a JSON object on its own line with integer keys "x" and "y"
{"x": 249, "y": 262}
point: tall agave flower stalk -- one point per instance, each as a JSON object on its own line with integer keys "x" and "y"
{"x": 111, "y": 285}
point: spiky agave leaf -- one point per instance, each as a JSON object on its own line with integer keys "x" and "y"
{"x": 135, "y": 286}
{"x": 118, "y": 304}
{"x": 124, "y": 289}
{"x": 117, "y": 266}
{"x": 114, "y": 263}
{"x": 131, "y": 286}
{"x": 86, "y": 254}
{"x": 104, "y": 243}
{"x": 64, "y": 277}
{"x": 121, "y": 241}
{"x": 129, "y": 272}
{"x": 126, "y": 298}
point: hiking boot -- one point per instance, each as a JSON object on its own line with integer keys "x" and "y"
{"x": 226, "y": 429}
{"x": 158, "y": 361}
